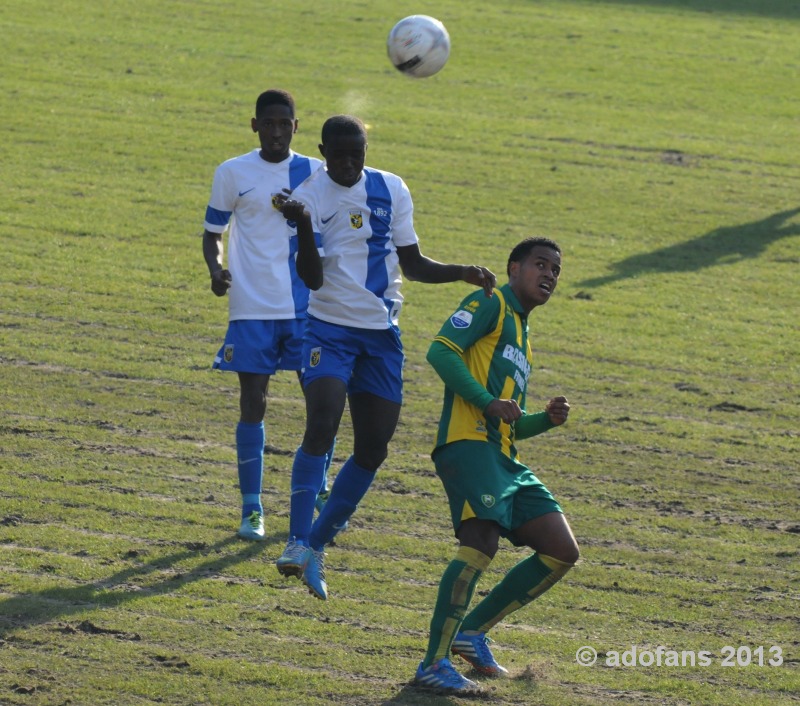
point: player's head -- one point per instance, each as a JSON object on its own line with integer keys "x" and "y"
{"x": 275, "y": 124}
{"x": 523, "y": 249}
{"x": 534, "y": 267}
{"x": 344, "y": 147}
{"x": 274, "y": 96}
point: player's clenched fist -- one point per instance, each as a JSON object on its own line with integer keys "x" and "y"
{"x": 220, "y": 282}
{"x": 557, "y": 409}
{"x": 508, "y": 410}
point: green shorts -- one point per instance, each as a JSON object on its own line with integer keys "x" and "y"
{"x": 482, "y": 482}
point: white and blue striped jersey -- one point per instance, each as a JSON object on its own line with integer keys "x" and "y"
{"x": 262, "y": 247}
{"x": 360, "y": 228}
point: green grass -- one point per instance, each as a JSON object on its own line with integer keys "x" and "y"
{"x": 655, "y": 140}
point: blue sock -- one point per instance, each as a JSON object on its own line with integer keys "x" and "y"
{"x": 307, "y": 472}
{"x": 328, "y": 460}
{"x": 351, "y": 484}
{"x": 250, "y": 453}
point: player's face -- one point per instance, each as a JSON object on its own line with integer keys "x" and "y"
{"x": 344, "y": 158}
{"x": 534, "y": 279}
{"x": 275, "y": 128}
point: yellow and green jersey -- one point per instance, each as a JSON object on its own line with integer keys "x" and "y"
{"x": 490, "y": 335}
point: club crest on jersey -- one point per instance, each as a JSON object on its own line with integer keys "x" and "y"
{"x": 487, "y": 500}
{"x": 276, "y": 204}
{"x": 316, "y": 354}
{"x": 228, "y": 353}
{"x": 356, "y": 220}
{"x": 461, "y": 319}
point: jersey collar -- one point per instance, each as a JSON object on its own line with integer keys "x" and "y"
{"x": 511, "y": 298}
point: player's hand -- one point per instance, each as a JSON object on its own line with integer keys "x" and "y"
{"x": 558, "y": 410}
{"x": 508, "y": 410}
{"x": 293, "y": 210}
{"x": 220, "y": 282}
{"x": 480, "y": 277}
{"x": 279, "y": 198}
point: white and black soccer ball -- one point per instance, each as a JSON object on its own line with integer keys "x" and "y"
{"x": 418, "y": 46}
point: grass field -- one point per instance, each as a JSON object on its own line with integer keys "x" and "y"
{"x": 657, "y": 141}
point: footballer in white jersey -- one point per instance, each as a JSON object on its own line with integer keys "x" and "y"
{"x": 351, "y": 347}
{"x": 268, "y": 301}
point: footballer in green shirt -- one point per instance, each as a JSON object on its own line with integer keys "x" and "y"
{"x": 483, "y": 355}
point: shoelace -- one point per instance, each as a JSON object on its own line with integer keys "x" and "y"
{"x": 482, "y": 648}
{"x": 294, "y": 550}
{"x": 320, "y": 558}
{"x": 448, "y": 674}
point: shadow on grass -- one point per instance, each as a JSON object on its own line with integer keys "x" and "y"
{"x": 411, "y": 695}
{"x": 717, "y": 247}
{"x": 30, "y": 609}
{"x": 762, "y": 8}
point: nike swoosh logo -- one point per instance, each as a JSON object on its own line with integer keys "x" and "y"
{"x": 339, "y": 527}
{"x": 247, "y": 191}
{"x": 247, "y": 460}
{"x": 325, "y": 220}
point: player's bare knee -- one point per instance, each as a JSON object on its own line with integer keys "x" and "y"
{"x": 370, "y": 453}
{"x": 570, "y": 555}
{"x": 253, "y": 409}
{"x": 370, "y": 461}
{"x": 481, "y": 535}
{"x": 566, "y": 553}
{"x": 318, "y": 439}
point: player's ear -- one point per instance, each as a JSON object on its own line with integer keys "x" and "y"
{"x": 321, "y": 149}
{"x": 296, "y": 125}
{"x": 254, "y": 124}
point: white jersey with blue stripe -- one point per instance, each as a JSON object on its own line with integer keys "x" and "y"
{"x": 360, "y": 227}
{"x": 262, "y": 247}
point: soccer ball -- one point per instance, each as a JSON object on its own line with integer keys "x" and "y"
{"x": 418, "y": 46}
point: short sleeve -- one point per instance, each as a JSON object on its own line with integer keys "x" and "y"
{"x": 222, "y": 201}
{"x": 403, "y": 232}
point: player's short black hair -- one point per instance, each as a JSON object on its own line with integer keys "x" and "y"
{"x": 523, "y": 249}
{"x": 274, "y": 96}
{"x": 342, "y": 125}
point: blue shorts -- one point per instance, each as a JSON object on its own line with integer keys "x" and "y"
{"x": 366, "y": 360}
{"x": 262, "y": 347}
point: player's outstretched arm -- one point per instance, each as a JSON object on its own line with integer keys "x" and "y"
{"x": 418, "y": 268}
